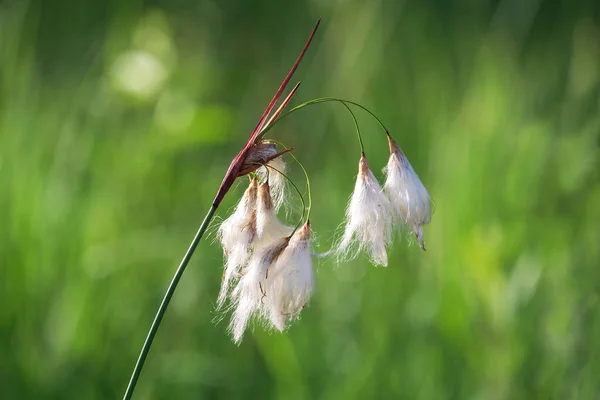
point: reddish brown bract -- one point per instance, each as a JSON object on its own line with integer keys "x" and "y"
{"x": 240, "y": 166}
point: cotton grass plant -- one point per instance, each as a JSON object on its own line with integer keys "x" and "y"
{"x": 268, "y": 273}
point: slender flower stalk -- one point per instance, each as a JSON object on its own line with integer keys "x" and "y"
{"x": 268, "y": 274}
{"x": 319, "y": 101}
{"x": 238, "y": 167}
{"x": 165, "y": 303}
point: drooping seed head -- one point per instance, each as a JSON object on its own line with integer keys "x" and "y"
{"x": 268, "y": 226}
{"x": 292, "y": 282}
{"x": 368, "y": 219}
{"x": 237, "y": 235}
{"x": 273, "y": 172}
{"x": 251, "y": 290}
{"x": 408, "y": 196}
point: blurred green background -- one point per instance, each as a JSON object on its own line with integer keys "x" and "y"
{"x": 119, "y": 118}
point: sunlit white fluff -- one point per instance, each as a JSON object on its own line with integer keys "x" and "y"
{"x": 291, "y": 282}
{"x": 237, "y": 234}
{"x": 277, "y": 182}
{"x": 249, "y": 295}
{"x": 268, "y": 226}
{"x": 408, "y": 196}
{"x": 276, "y": 285}
{"x": 369, "y": 219}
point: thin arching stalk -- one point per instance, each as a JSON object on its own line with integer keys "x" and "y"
{"x": 165, "y": 303}
{"x": 232, "y": 174}
{"x": 322, "y": 100}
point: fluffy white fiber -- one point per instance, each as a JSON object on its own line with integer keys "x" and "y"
{"x": 409, "y": 198}
{"x": 237, "y": 234}
{"x": 368, "y": 219}
{"x": 272, "y": 173}
{"x": 291, "y": 281}
{"x": 249, "y": 295}
{"x": 277, "y": 285}
{"x": 268, "y": 226}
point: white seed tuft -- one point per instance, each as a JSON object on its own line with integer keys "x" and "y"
{"x": 249, "y": 295}
{"x": 408, "y": 196}
{"x": 291, "y": 281}
{"x": 369, "y": 219}
{"x": 277, "y": 182}
{"x": 237, "y": 234}
{"x": 268, "y": 226}
{"x": 276, "y": 285}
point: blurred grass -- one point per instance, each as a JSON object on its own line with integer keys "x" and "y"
{"x": 118, "y": 120}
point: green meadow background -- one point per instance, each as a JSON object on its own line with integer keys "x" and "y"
{"x": 119, "y": 118}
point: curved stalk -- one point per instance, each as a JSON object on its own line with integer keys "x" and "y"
{"x": 231, "y": 175}
{"x": 291, "y": 182}
{"x": 360, "y": 141}
{"x": 165, "y": 303}
{"x": 317, "y": 101}
{"x": 305, "y": 174}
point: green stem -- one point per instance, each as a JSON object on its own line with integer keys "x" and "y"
{"x": 322, "y": 100}
{"x": 362, "y": 146}
{"x": 309, "y": 194}
{"x": 165, "y": 303}
{"x": 363, "y": 108}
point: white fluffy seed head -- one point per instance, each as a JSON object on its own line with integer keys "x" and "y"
{"x": 276, "y": 285}
{"x": 268, "y": 226}
{"x": 237, "y": 234}
{"x": 408, "y": 196}
{"x": 276, "y": 180}
{"x": 368, "y": 219}
{"x": 291, "y": 282}
{"x": 249, "y": 295}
